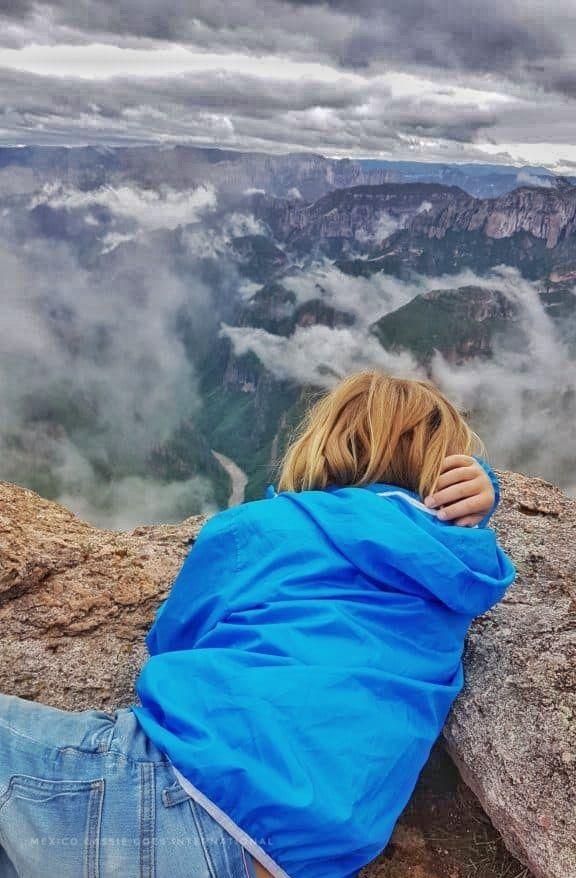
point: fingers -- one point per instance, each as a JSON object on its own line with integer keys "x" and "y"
{"x": 458, "y": 474}
{"x": 463, "y": 491}
{"x": 468, "y": 506}
{"x": 452, "y": 460}
{"x": 460, "y": 490}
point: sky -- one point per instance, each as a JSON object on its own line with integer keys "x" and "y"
{"x": 428, "y": 80}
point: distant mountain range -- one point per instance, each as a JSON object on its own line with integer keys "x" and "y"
{"x": 307, "y": 174}
{"x": 432, "y": 228}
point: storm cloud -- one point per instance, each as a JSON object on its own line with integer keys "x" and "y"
{"x": 421, "y": 79}
{"x": 230, "y": 110}
{"x": 515, "y": 38}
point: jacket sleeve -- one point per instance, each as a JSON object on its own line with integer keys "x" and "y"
{"x": 200, "y": 595}
{"x": 495, "y": 484}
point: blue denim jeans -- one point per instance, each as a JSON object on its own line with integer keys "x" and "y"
{"x": 87, "y": 795}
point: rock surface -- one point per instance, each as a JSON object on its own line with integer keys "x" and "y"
{"x": 75, "y": 603}
{"x": 429, "y": 209}
{"x": 548, "y": 214}
{"x": 512, "y": 733}
{"x": 360, "y": 213}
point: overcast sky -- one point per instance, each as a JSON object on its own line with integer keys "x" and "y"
{"x": 447, "y": 80}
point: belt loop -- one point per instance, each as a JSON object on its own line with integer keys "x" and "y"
{"x": 174, "y": 794}
{"x": 102, "y": 736}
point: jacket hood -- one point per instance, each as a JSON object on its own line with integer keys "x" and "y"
{"x": 400, "y": 544}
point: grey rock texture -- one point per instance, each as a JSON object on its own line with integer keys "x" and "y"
{"x": 357, "y": 213}
{"x": 427, "y": 209}
{"x": 75, "y": 604}
{"x": 549, "y": 214}
{"x": 512, "y": 732}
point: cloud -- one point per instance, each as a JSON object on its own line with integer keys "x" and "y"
{"x": 122, "y": 504}
{"x": 524, "y": 178}
{"x": 204, "y": 241}
{"x": 515, "y": 40}
{"x": 316, "y": 355}
{"x": 366, "y": 298}
{"x": 420, "y": 78}
{"x": 417, "y": 33}
{"x": 462, "y": 37}
{"x": 94, "y": 372}
{"x": 385, "y": 226}
{"x": 148, "y": 208}
{"x": 266, "y": 88}
{"x": 522, "y": 401}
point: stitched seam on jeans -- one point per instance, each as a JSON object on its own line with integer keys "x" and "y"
{"x": 93, "y": 824}
{"x": 64, "y": 747}
{"x": 4, "y": 799}
{"x": 132, "y": 761}
{"x": 19, "y": 734}
{"x": 147, "y": 820}
{"x": 200, "y": 832}
{"x": 30, "y": 781}
{"x": 99, "y": 754}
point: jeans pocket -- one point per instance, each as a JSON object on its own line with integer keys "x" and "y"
{"x": 51, "y": 827}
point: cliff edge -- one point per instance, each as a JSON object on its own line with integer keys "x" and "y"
{"x": 75, "y": 604}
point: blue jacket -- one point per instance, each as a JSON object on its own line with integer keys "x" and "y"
{"x": 305, "y": 662}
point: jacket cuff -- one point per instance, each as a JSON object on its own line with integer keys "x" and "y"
{"x": 495, "y": 484}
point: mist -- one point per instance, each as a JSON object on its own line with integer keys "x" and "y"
{"x": 95, "y": 375}
{"x": 522, "y": 401}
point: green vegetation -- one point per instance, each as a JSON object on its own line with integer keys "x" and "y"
{"x": 242, "y": 407}
{"x": 459, "y": 322}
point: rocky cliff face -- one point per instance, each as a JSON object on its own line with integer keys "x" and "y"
{"x": 430, "y": 228}
{"x": 75, "y": 603}
{"x": 364, "y": 215}
{"x": 546, "y": 214}
{"x": 312, "y": 174}
{"x": 513, "y": 732}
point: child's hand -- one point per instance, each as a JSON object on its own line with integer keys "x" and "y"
{"x": 464, "y": 491}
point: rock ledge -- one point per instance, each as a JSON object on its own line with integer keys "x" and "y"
{"x": 75, "y": 604}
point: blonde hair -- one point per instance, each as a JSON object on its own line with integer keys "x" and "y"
{"x": 373, "y": 427}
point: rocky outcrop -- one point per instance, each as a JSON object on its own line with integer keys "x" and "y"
{"x": 546, "y": 214}
{"x": 513, "y": 731}
{"x": 75, "y": 603}
{"x": 461, "y": 323}
{"x": 364, "y": 215}
{"x": 431, "y": 229}
{"x": 371, "y": 214}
